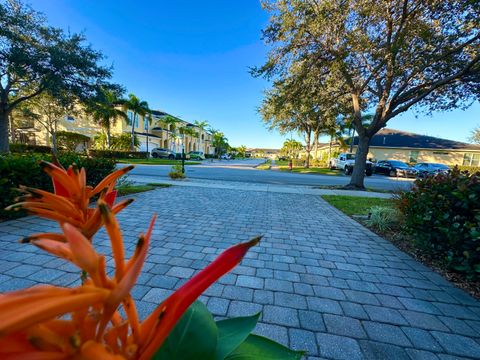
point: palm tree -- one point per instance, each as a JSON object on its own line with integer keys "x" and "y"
{"x": 105, "y": 111}
{"x": 187, "y": 131}
{"x": 171, "y": 123}
{"x": 139, "y": 108}
{"x": 202, "y": 125}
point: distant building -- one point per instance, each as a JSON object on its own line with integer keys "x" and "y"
{"x": 390, "y": 144}
{"x": 158, "y": 133}
{"x": 263, "y": 153}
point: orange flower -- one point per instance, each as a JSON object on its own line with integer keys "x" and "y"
{"x": 91, "y": 326}
{"x": 71, "y": 199}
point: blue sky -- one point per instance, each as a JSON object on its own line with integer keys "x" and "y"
{"x": 191, "y": 58}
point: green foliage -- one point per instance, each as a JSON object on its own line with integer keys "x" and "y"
{"x": 291, "y": 148}
{"x": 232, "y": 333}
{"x": 257, "y": 347}
{"x": 38, "y": 58}
{"x": 120, "y": 142}
{"x": 70, "y": 140}
{"x": 198, "y": 336}
{"x": 26, "y": 148}
{"x": 470, "y": 169}
{"x": 176, "y": 172}
{"x": 194, "y": 336}
{"x": 383, "y": 218}
{"x": 355, "y": 205}
{"x": 132, "y": 189}
{"x": 443, "y": 215}
{"x": 25, "y": 170}
{"x": 114, "y": 154}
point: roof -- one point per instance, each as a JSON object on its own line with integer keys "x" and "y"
{"x": 403, "y": 139}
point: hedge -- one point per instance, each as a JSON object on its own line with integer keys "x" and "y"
{"x": 25, "y": 170}
{"x": 25, "y": 148}
{"x": 470, "y": 169}
{"x": 115, "y": 154}
{"x": 442, "y": 213}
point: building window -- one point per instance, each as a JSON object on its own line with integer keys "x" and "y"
{"x": 145, "y": 124}
{"x": 413, "y": 156}
{"x": 471, "y": 159}
{"x": 130, "y": 118}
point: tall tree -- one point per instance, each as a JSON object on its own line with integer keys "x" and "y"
{"x": 219, "y": 142}
{"x": 475, "y": 136}
{"x": 202, "y": 125}
{"x": 242, "y": 149}
{"x": 138, "y": 108}
{"x": 104, "y": 108}
{"x": 291, "y": 148}
{"x": 50, "y": 111}
{"x": 385, "y": 56}
{"x": 170, "y": 122}
{"x": 35, "y": 57}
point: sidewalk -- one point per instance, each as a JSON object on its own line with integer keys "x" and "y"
{"x": 270, "y": 188}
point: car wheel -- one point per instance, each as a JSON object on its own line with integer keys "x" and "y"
{"x": 393, "y": 173}
{"x": 155, "y": 155}
{"x": 348, "y": 171}
{"x": 171, "y": 157}
{"x": 368, "y": 172}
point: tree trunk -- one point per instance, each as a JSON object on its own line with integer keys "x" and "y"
{"x": 4, "y": 123}
{"x": 330, "y": 149}
{"x": 134, "y": 118}
{"x": 12, "y": 129}
{"x": 109, "y": 137}
{"x": 308, "y": 148}
{"x": 358, "y": 175}
{"x": 315, "y": 145}
{"x": 54, "y": 142}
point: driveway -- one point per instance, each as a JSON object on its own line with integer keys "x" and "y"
{"x": 324, "y": 283}
{"x": 244, "y": 171}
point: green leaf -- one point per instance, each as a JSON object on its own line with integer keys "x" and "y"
{"x": 260, "y": 348}
{"x": 233, "y": 332}
{"x": 194, "y": 336}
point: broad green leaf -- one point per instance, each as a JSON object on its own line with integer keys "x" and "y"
{"x": 194, "y": 336}
{"x": 260, "y": 348}
{"x": 232, "y": 332}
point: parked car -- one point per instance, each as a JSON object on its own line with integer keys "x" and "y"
{"x": 225, "y": 157}
{"x": 394, "y": 168}
{"x": 346, "y": 161}
{"x": 430, "y": 169}
{"x": 163, "y": 153}
{"x": 197, "y": 155}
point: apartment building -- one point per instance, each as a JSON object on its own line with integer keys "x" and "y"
{"x": 150, "y": 133}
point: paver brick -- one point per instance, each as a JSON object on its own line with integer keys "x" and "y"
{"x": 280, "y": 315}
{"x": 338, "y": 347}
{"x": 250, "y": 281}
{"x": 421, "y": 339}
{"x": 386, "y": 333}
{"x": 457, "y": 344}
{"x": 345, "y": 326}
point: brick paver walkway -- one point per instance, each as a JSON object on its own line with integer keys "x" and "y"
{"x": 323, "y": 283}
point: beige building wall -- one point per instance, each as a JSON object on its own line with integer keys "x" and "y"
{"x": 447, "y": 157}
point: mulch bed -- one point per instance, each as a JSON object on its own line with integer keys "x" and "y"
{"x": 404, "y": 243}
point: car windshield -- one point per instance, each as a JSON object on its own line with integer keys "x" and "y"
{"x": 350, "y": 156}
{"x": 399, "y": 164}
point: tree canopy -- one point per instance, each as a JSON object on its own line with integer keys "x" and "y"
{"x": 384, "y": 57}
{"x": 36, "y": 57}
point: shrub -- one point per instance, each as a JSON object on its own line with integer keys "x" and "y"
{"x": 25, "y": 170}
{"x": 470, "y": 169}
{"x": 70, "y": 140}
{"x": 115, "y": 154}
{"x": 26, "y": 148}
{"x": 176, "y": 172}
{"x": 443, "y": 214}
{"x": 383, "y": 218}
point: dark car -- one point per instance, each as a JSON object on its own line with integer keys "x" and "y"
{"x": 430, "y": 169}
{"x": 394, "y": 168}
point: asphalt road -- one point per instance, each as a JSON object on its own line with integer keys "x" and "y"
{"x": 244, "y": 171}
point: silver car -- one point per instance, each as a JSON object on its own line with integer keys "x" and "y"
{"x": 430, "y": 169}
{"x": 163, "y": 153}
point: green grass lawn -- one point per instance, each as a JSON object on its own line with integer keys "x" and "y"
{"x": 342, "y": 187}
{"x": 265, "y": 166}
{"x": 355, "y": 205}
{"x": 133, "y": 189}
{"x": 312, "y": 170}
{"x": 153, "y": 161}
